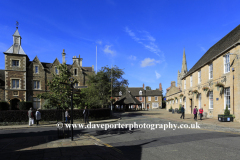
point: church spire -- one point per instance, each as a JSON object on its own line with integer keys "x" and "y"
{"x": 184, "y": 63}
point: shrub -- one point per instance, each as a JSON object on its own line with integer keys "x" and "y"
{"x": 226, "y": 112}
{"x": 4, "y": 106}
{"x": 25, "y": 105}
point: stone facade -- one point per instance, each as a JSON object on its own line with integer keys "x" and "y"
{"x": 23, "y": 80}
{"x": 220, "y": 64}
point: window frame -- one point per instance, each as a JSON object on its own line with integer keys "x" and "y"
{"x": 75, "y": 71}
{"x": 227, "y": 97}
{"x": 199, "y": 100}
{"x": 211, "y": 71}
{"x": 210, "y": 101}
{"x": 140, "y": 98}
{"x": 36, "y": 101}
{"x": 227, "y": 63}
{"x": 155, "y": 98}
{"x": 56, "y": 71}
{"x": 199, "y": 77}
{"x": 191, "y": 81}
{"x": 15, "y": 60}
{"x": 13, "y": 81}
{"x": 38, "y": 84}
{"x": 149, "y": 98}
{"x": 184, "y": 83}
{"x": 35, "y": 69}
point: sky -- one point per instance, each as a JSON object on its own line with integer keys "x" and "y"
{"x": 145, "y": 38}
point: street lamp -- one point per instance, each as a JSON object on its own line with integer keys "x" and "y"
{"x": 71, "y": 79}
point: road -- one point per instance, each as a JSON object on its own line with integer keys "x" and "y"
{"x": 179, "y": 144}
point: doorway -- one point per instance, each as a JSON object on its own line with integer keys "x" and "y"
{"x": 14, "y": 103}
{"x": 191, "y": 105}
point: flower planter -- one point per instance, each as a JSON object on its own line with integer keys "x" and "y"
{"x": 170, "y": 110}
{"x": 224, "y": 118}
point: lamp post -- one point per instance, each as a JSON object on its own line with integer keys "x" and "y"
{"x": 71, "y": 79}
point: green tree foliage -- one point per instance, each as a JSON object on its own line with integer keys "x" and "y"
{"x": 60, "y": 94}
{"x": 148, "y": 88}
{"x": 99, "y": 92}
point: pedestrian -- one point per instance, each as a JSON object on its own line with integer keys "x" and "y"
{"x": 182, "y": 111}
{"x": 86, "y": 114}
{"x": 201, "y": 113}
{"x": 31, "y": 117}
{"x": 195, "y": 111}
{"x": 67, "y": 116}
{"x": 38, "y": 116}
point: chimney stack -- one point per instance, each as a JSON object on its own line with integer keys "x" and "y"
{"x": 63, "y": 56}
{"x": 143, "y": 85}
{"x": 173, "y": 84}
{"x": 160, "y": 87}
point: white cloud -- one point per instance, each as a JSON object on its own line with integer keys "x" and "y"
{"x": 157, "y": 75}
{"x": 149, "y": 62}
{"x": 132, "y": 57}
{"x": 107, "y": 50}
{"x": 147, "y": 41}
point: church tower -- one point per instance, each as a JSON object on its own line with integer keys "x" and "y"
{"x": 183, "y": 71}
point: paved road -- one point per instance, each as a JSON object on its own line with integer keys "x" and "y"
{"x": 166, "y": 144}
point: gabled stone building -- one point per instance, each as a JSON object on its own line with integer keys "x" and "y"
{"x": 213, "y": 83}
{"x": 151, "y": 99}
{"x": 23, "y": 80}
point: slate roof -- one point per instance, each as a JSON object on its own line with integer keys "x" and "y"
{"x": 216, "y": 50}
{"x": 153, "y": 93}
{"x": 20, "y": 50}
{"x": 128, "y": 99}
{"x": 88, "y": 69}
{"x": 135, "y": 91}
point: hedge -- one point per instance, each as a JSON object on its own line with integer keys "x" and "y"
{"x": 4, "y": 106}
{"x": 51, "y": 115}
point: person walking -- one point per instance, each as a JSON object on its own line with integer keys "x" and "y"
{"x": 182, "y": 111}
{"x": 86, "y": 114}
{"x": 31, "y": 117}
{"x": 201, "y": 113}
{"x": 67, "y": 116}
{"x": 38, "y": 116}
{"x": 195, "y": 111}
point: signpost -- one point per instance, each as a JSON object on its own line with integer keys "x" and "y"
{"x": 73, "y": 90}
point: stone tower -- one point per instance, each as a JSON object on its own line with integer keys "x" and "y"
{"x": 15, "y": 72}
{"x": 183, "y": 71}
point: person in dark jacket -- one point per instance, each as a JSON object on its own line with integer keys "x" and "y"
{"x": 195, "y": 111}
{"x": 182, "y": 111}
{"x": 38, "y": 116}
{"x": 86, "y": 114}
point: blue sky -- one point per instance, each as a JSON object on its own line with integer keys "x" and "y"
{"x": 144, "y": 37}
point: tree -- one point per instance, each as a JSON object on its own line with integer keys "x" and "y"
{"x": 60, "y": 94}
{"x": 99, "y": 90}
{"x": 148, "y": 88}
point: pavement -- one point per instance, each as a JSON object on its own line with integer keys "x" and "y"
{"x": 86, "y": 146}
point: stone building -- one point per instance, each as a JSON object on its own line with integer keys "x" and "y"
{"x": 213, "y": 83}
{"x": 149, "y": 98}
{"x": 23, "y": 80}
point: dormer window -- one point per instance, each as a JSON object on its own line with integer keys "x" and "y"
{"x": 140, "y": 92}
{"x": 36, "y": 69}
{"x": 75, "y": 72}
{"x": 15, "y": 63}
{"x": 120, "y": 93}
{"x": 56, "y": 70}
